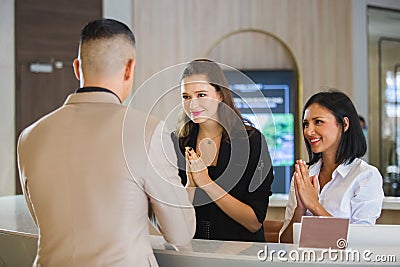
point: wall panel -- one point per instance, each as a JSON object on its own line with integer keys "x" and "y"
{"x": 317, "y": 31}
{"x": 7, "y": 99}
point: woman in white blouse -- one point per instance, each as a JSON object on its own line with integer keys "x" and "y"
{"x": 337, "y": 182}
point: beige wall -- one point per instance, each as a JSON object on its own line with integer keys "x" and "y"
{"x": 7, "y": 99}
{"x": 121, "y": 12}
{"x": 317, "y": 31}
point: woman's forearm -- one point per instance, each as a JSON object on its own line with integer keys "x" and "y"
{"x": 234, "y": 208}
{"x": 191, "y": 190}
{"x": 318, "y": 210}
{"x": 287, "y": 235}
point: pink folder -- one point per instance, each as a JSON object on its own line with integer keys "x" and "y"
{"x": 323, "y": 232}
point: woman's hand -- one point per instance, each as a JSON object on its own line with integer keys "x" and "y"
{"x": 306, "y": 187}
{"x": 197, "y": 171}
{"x": 300, "y": 206}
{"x": 231, "y": 206}
{"x": 189, "y": 175}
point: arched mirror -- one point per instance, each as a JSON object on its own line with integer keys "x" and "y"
{"x": 270, "y": 64}
{"x": 384, "y": 81}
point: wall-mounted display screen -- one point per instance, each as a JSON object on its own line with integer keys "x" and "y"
{"x": 278, "y": 129}
{"x": 267, "y": 99}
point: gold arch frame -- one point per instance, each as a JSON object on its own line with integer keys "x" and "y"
{"x": 296, "y": 64}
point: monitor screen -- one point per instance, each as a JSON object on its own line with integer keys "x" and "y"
{"x": 266, "y": 99}
{"x": 277, "y": 129}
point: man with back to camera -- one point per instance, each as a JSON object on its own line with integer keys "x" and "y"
{"x": 92, "y": 169}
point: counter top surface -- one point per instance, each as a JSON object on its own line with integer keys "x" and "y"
{"x": 16, "y": 220}
{"x": 15, "y": 216}
{"x": 280, "y": 201}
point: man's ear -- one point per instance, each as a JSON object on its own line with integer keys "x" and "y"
{"x": 129, "y": 68}
{"x": 346, "y": 124}
{"x": 75, "y": 64}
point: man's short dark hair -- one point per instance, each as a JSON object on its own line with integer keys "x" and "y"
{"x": 105, "y": 29}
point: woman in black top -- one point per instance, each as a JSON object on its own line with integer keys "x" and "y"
{"x": 226, "y": 159}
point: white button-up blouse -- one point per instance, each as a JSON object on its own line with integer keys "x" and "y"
{"x": 355, "y": 192}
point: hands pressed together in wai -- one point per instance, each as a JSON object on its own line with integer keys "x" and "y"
{"x": 196, "y": 169}
{"x": 306, "y": 188}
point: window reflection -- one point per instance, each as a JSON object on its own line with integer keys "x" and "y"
{"x": 391, "y": 132}
{"x": 384, "y": 81}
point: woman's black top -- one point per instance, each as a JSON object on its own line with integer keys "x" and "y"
{"x": 246, "y": 174}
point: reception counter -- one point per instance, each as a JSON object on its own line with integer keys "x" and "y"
{"x": 18, "y": 237}
{"x": 390, "y": 209}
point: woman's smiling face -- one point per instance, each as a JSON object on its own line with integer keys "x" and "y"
{"x": 321, "y": 129}
{"x": 199, "y": 99}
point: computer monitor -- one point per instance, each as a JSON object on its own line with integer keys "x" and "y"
{"x": 267, "y": 98}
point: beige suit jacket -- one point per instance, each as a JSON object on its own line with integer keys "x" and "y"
{"x": 91, "y": 171}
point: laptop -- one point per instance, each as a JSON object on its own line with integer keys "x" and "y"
{"x": 374, "y": 235}
{"x": 296, "y": 232}
{"x": 321, "y": 232}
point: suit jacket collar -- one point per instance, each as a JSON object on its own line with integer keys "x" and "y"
{"x": 92, "y": 97}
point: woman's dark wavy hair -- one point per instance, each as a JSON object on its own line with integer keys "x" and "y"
{"x": 352, "y": 142}
{"x": 216, "y": 77}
